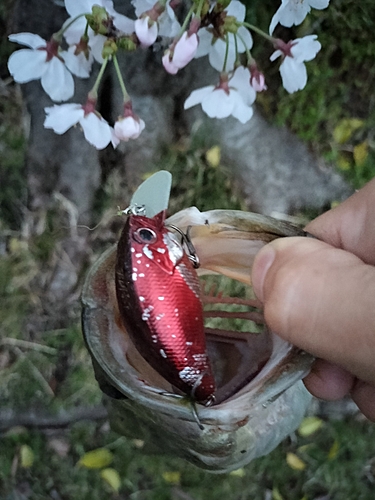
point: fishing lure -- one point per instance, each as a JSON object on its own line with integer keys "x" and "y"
{"x": 158, "y": 296}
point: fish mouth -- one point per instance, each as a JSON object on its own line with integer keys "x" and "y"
{"x": 248, "y": 361}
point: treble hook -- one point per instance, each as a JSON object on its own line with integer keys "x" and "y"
{"x": 192, "y": 254}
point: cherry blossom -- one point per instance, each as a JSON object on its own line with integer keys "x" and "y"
{"x": 183, "y": 52}
{"x": 74, "y": 32}
{"x": 292, "y": 69}
{"x": 216, "y": 48}
{"x": 96, "y": 130}
{"x": 294, "y": 12}
{"x": 167, "y": 22}
{"x": 231, "y": 97}
{"x": 146, "y": 31}
{"x": 128, "y": 128}
{"x": 42, "y": 60}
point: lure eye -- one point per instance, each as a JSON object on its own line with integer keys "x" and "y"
{"x": 145, "y": 235}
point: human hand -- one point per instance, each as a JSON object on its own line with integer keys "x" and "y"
{"x": 320, "y": 296}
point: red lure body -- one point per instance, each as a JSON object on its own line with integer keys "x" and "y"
{"x": 159, "y": 301}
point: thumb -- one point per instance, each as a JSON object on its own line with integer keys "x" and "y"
{"x": 321, "y": 299}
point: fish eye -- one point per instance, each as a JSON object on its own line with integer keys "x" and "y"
{"x": 145, "y": 235}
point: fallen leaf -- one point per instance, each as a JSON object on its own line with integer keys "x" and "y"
{"x": 60, "y": 446}
{"x": 309, "y": 425}
{"x": 172, "y": 477}
{"x": 96, "y": 459}
{"x": 360, "y": 153}
{"x": 345, "y": 129}
{"x": 333, "y": 450}
{"x": 276, "y": 495}
{"x": 295, "y": 462}
{"x": 238, "y": 473}
{"x": 26, "y": 456}
{"x": 111, "y": 477}
{"x": 213, "y": 156}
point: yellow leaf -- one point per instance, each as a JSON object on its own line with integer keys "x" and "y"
{"x": 111, "y": 477}
{"x": 238, "y": 473}
{"x": 309, "y": 425}
{"x": 295, "y": 462}
{"x": 334, "y": 450}
{"x": 360, "y": 153}
{"x": 276, "y": 494}
{"x": 172, "y": 477}
{"x": 345, "y": 129}
{"x": 213, "y": 156}
{"x": 343, "y": 162}
{"x": 96, "y": 459}
{"x": 26, "y": 456}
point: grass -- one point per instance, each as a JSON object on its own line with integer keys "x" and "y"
{"x": 338, "y": 461}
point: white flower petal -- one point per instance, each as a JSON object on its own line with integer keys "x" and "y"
{"x": 142, "y": 5}
{"x": 77, "y": 64}
{"x": 77, "y": 7}
{"x": 123, "y": 23}
{"x": 27, "y": 64}
{"x": 57, "y": 82}
{"x": 217, "y": 54}
{"x": 96, "y": 130}
{"x": 275, "y": 55}
{"x": 236, "y": 9}
{"x": 218, "y": 104}
{"x": 306, "y": 48}
{"x": 29, "y": 39}
{"x": 96, "y": 43}
{"x": 75, "y": 31}
{"x": 205, "y": 41}
{"x": 293, "y": 74}
{"x": 168, "y": 24}
{"x": 294, "y": 12}
{"x": 197, "y": 96}
{"x": 61, "y": 118}
{"x": 242, "y": 112}
{"x": 246, "y": 38}
{"x": 274, "y": 21}
{"x": 319, "y": 4}
{"x": 241, "y": 82}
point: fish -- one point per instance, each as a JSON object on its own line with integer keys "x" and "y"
{"x": 259, "y": 394}
{"x": 159, "y": 299}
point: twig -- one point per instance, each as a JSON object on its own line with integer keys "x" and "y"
{"x": 44, "y": 420}
{"x": 28, "y": 345}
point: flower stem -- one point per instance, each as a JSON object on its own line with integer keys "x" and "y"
{"x": 248, "y": 54}
{"x": 226, "y": 52}
{"x": 94, "y": 91}
{"x": 259, "y": 31}
{"x": 121, "y": 80}
{"x": 186, "y": 22}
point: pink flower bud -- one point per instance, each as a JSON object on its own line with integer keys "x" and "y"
{"x": 129, "y": 127}
{"x": 183, "y": 52}
{"x": 146, "y": 31}
{"x": 257, "y": 80}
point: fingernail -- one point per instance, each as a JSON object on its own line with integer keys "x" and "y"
{"x": 262, "y": 263}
